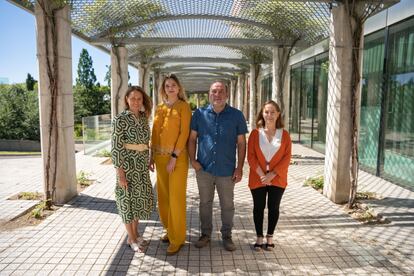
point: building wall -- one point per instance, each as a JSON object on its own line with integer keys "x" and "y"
{"x": 386, "y": 141}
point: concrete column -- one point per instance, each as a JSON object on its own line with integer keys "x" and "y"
{"x": 141, "y": 73}
{"x": 198, "y": 100}
{"x": 259, "y": 92}
{"x": 232, "y": 91}
{"x": 252, "y": 100}
{"x": 275, "y": 69}
{"x": 146, "y": 84}
{"x": 246, "y": 96}
{"x": 240, "y": 91}
{"x": 119, "y": 78}
{"x": 286, "y": 98}
{"x": 155, "y": 88}
{"x": 56, "y": 112}
{"x": 339, "y": 124}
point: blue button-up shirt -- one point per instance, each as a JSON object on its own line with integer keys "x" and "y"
{"x": 217, "y": 138}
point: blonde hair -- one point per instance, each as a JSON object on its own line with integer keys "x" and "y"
{"x": 181, "y": 93}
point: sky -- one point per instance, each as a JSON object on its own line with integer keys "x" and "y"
{"x": 18, "y": 48}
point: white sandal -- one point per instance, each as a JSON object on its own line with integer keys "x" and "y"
{"x": 134, "y": 246}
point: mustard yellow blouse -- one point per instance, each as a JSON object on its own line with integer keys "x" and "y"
{"x": 171, "y": 128}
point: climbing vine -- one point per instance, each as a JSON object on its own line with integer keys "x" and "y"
{"x": 49, "y": 10}
{"x": 358, "y": 12}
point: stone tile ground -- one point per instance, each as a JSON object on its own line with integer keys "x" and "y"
{"x": 314, "y": 236}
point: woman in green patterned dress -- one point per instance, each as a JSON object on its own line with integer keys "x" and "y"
{"x": 130, "y": 156}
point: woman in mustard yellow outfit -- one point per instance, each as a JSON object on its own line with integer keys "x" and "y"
{"x": 169, "y": 152}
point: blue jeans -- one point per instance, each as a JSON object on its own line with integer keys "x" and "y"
{"x": 225, "y": 188}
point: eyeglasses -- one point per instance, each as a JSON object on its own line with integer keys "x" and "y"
{"x": 170, "y": 76}
{"x": 136, "y": 87}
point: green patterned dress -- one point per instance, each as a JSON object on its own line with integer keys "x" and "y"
{"x": 136, "y": 202}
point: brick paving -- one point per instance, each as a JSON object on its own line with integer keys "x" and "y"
{"x": 314, "y": 236}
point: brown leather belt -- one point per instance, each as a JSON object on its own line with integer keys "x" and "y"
{"x": 137, "y": 147}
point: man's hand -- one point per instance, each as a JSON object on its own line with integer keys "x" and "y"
{"x": 196, "y": 165}
{"x": 237, "y": 175}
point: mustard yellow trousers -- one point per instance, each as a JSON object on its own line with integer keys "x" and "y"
{"x": 171, "y": 189}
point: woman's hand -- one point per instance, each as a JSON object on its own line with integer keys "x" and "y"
{"x": 267, "y": 178}
{"x": 151, "y": 164}
{"x": 122, "y": 179}
{"x": 171, "y": 165}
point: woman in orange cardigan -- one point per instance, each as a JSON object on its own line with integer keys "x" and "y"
{"x": 170, "y": 133}
{"x": 269, "y": 152}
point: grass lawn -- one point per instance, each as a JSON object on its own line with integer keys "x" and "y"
{"x": 20, "y": 153}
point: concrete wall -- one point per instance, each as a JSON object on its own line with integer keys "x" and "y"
{"x": 19, "y": 145}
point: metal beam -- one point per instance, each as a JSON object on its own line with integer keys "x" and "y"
{"x": 200, "y": 60}
{"x": 171, "y": 17}
{"x": 165, "y": 41}
{"x": 205, "y": 70}
{"x": 202, "y": 75}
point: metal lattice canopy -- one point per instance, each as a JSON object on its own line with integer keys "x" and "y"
{"x": 200, "y": 39}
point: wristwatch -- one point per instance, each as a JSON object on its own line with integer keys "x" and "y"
{"x": 173, "y": 155}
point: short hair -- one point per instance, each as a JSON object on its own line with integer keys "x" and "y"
{"x": 223, "y": 83}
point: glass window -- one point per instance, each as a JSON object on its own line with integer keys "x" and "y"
{"x": 320, "y": 102}
{"x": 371, "y": 97}
{"x": 295, "y": 77}
{"x": 266, "y": 89}
{"x": 306, "y": 103}
{"x": 399, "y": 116}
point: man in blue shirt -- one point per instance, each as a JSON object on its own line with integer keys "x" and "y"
{"x": 220, "y": 131}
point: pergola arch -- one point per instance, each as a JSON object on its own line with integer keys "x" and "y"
{"x": 131, "y": 25}
{"x": 170, "y": 17}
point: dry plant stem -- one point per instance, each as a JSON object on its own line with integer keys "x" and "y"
{"x": 52, "y": 72}
{"x": 358, "y": 14}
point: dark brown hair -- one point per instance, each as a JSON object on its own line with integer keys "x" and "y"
{"x": 146, "y": 101}
{"x": 181, "y": 93}
{"x": 260, "y": 122}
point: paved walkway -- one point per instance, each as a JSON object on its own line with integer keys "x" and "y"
{"x": 314, "y": 236}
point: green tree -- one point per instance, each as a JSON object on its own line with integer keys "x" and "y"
{"x": 91, "y": 101}
{"x": 86, "y": 73}
{"x": 19, "y": 113}
{"x": 30, "y": 82}
{"x": 108, "y": 75}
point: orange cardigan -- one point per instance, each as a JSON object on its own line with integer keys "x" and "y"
{"x": 278, "y": 164}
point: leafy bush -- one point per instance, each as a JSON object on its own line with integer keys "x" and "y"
{"x": 29, "y": 195}
{"x": 37, "y": 212}
{"x": 83, "y": 178}
{"x": 315, "y": 182}
{"x": 103, "y": 153}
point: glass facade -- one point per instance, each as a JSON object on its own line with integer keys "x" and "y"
{"x": 266, "y": 89}
{"x": 386, "y": 139}
{"x": 308, "y": 98}
{"x": 371, "y": 99}
{"x": 397, "y": 160}
{"x": 294, "y": 102}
